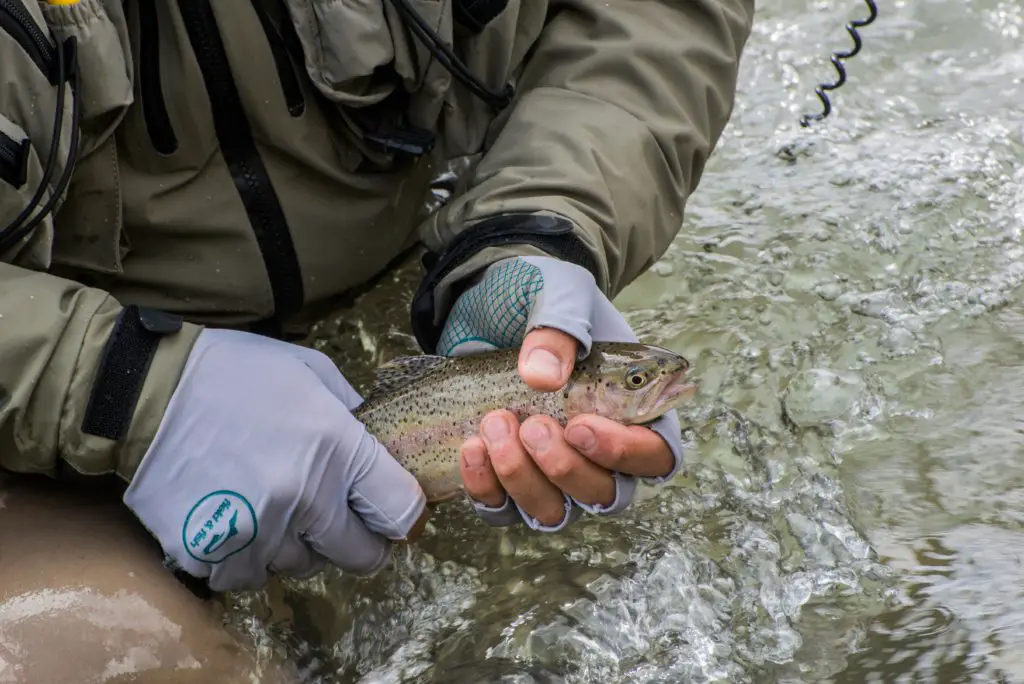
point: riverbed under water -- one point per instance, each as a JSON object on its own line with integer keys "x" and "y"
{"x": 852, "y": 508}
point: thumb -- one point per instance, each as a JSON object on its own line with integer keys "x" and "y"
{"x": 546, "y": 358}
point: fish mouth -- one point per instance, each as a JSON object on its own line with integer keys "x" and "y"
{"x": 675, "y": 392}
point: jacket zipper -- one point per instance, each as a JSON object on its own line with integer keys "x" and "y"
{"x": 290, "y": 87}
{"x": 238, "y": 148}
{"x": 154, "y": 107}
{"x": 15, "y": 20}
{"x": 13, "y": 161}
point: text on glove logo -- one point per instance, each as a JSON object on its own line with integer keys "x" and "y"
{"x": 221, "y": 524}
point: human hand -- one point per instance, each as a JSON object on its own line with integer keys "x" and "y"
{"x": 259, "y": 467}
{"x": 537, "y": 471}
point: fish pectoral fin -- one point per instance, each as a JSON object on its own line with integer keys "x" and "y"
{"x": 399, "y": 372}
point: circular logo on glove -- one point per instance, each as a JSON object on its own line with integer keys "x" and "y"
{"x": 221, "y": 524}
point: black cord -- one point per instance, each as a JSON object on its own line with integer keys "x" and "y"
{"x": 448, "y": 59}
{"x": 837, "y": 62}
{"x": 51, "y": 161}
{"x": 67, "y": 61}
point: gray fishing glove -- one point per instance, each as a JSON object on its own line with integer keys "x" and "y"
{"x": 511, "y": 298}
{"x": 259, "y": 467}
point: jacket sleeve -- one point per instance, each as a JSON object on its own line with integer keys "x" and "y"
{"x": 616, "y": 113}
{"x": 53, "y": 333}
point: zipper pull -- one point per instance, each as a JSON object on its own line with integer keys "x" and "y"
{"x": 14, "y": 161}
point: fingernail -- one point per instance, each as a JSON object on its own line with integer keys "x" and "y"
{"x": 581, "y": 437}
{"x": 544, "y": 363}
{"x": 536, "y": 435}
{"x": 495, "y": 429}
{"x": 474, "y": 456}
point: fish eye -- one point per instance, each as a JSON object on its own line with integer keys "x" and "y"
{"x": 635, "y": 378}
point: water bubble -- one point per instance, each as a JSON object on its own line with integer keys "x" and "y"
{"x": 818, "y": 396}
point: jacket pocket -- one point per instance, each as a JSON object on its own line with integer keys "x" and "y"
{"x": 104, "y": 62}
{"x": 85, "y": 235}
{"x": 349, "y": 46}
{"x": 384, "y": 86}
{"x": 344, "y": 43}
{"x": 88, "y": 231}
{"x": 89, "y": 236}
{"x": 64, "y": 203}
{"x": 36, "y": 126}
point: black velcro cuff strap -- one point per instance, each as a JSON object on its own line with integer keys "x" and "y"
{"x": 552, "y": 234}
{"x": 123, "y": 368}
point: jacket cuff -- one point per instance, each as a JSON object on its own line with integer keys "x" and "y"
{"x": 499, "y": 237}
{"x": 165, "y": 370}
{"x": 128, "y": 371}
{"x": 625, "y": 490}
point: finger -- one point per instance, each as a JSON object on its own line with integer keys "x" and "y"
{"x": 546, "y": 358}
{"x": 477, "y": 474}
{"x": 382, "y": 492}
{"x": 668, "y": 427}
{"x": 609, "y": 325}
{"x": 346, "y": 542}
{"x": 236, "y": 577}
{"x": 630, "y": 449}
{"x": 517, "y": 472}
{"x": 492, "y": 503}
{"x": 566, "y": 299}
{"x": 295, "y": 558}
{"x": 565, "y": 467}
{"x": 418, "y": 527}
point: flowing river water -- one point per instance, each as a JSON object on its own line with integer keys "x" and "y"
{"x": 852, "y": 508}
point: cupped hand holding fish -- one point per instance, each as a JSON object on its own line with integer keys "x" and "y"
{"x": 538, "y": 471}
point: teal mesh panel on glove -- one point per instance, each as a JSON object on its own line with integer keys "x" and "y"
{"x": 495, "y": 310}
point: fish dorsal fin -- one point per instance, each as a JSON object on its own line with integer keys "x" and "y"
{"x": 403, "y": 370}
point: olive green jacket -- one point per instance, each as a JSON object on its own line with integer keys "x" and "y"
{"x": 246, "y": 160}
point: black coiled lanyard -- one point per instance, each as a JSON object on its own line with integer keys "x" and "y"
{"x": 837, "y": 62}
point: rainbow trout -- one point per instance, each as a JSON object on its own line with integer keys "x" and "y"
{"x": 424, "y": 407}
